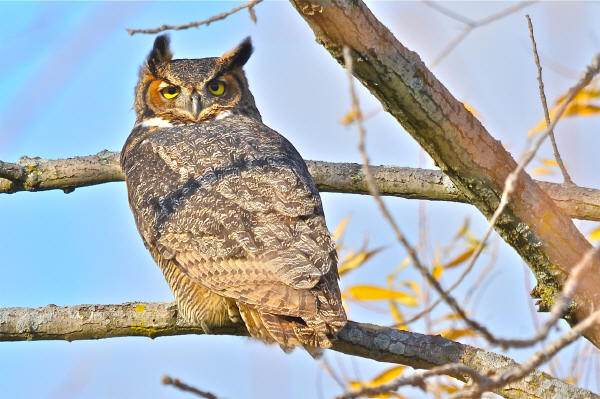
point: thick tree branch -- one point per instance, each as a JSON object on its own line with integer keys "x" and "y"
{"x": 476, "y": 163}
{"x": 38, "y": 174}
{"x": 378, "y": 343}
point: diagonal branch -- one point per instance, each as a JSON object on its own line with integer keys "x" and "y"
{"x": 82, "y": 322}
{"x": 38, "y": 174}
{"x": 476, "y": 163}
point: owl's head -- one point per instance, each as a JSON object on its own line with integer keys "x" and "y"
{"x": 193, "y": 90}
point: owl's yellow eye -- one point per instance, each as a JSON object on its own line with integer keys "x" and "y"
{"x": 170, "y": 92}
{"x": 216, "y": 88}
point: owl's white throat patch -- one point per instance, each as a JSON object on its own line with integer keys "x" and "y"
{"x": 154, "y": 122}
{"x": 224, "y": 115}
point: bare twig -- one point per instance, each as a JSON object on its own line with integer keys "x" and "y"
{"x": 417, "y": 379}
{"x": 561, "y": 165}
{"x": 166, "y": 380}
{"x": 537, "y": 359}
{"x": 322, "y": 361}
{"x": 470, "y": 25}
{"x": 449, "y": 13}
{"x": 249, "y": 5}
{"x": 412, "y": 253}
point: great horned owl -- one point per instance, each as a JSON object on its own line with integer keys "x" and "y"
{"x": 226, "y": 205}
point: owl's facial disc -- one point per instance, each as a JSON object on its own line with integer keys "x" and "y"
{"x": 172, "y": 99}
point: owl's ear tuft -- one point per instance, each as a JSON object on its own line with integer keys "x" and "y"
{"x": 160, "y": 54}
{"x": 236, "y": 57}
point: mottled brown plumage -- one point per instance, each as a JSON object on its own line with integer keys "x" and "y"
{"x": 226, "y": 205}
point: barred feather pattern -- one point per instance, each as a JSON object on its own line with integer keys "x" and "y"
{"x": 231, "y": 215}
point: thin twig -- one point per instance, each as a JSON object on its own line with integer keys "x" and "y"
{"x": 470, "y": 25}
{"x": 417, "y": 379}
{"x": 249, "y": 5}
{"x": 561, "y": 165}
{"x": 449, "y": 13}
{"x": 412, "y": 252}
{"x": 166, "y": 380}
{"x": 322, "y": 361}
{"x": 537, "y": 359}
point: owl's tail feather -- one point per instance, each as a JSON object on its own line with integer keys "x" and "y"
{"x": 281, "y": 330}
{"x": 254, "y": 323}
{"x": 286, "y": 331}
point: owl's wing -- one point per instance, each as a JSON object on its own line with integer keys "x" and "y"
{"x": 250, "y": 227}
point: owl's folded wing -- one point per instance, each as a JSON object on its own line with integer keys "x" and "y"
{"x": 249, "y": 282}
{"x": 257, "y": 235}
{"x": 249, "y": 226}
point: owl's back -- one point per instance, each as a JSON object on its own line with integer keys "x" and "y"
{"x": 229, "y": 204}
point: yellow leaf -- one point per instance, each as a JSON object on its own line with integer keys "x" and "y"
{"x": 448, "y": 316}
{"x": 415, "y": 287}
{"x": 540, "y": 171}
{"x": 549, "y": 162}
{"x": 372, "y": 293}
{"x": 584, "y": 95}
{"x": 582, "y": 110}
{"x": 395, "y": 312}
{"x": 471, "y": 239}
{"x": 463, "y": 229}
{"x": 381, "y": 379}
{"x": 437, "y": 272}
{"x": 572, "y": 380}
{"x": 447, "y": 388}
{"x": 460, "y": 258}
{"x": 348, "y": 118}
{"x": 354, "y": 261}
{"x": 392, "y": 276}
{"x": 387, "y": 375}
{"x": 340, "y": 228}
{"x": 436, "y": 259}
{"x": 472, "y": 110}
{"x": 594, "y": 235}
{"x": 455, "y": 333}
{"x": 574, "y": 109}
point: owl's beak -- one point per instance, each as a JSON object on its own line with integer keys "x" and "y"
{"x": 195, "y": 105}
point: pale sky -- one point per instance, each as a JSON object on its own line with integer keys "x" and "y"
{"x": 68, "y": 71}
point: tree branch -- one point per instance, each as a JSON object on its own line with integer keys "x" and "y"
{"x": 38, "y": 174}
{"x": 476, "y": 163}
{"x": 249, "y": 5}
{"x": 82, "y": 322}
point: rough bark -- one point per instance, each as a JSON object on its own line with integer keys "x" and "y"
{"x": 379, "y": 343}
{"x": 38, "y": 174}
{"x": 476, "y": 163}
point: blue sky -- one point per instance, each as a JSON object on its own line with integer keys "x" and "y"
{"x": 67, "y": 72}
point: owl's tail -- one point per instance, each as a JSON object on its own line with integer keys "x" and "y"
{"x": 290, "y": 332}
